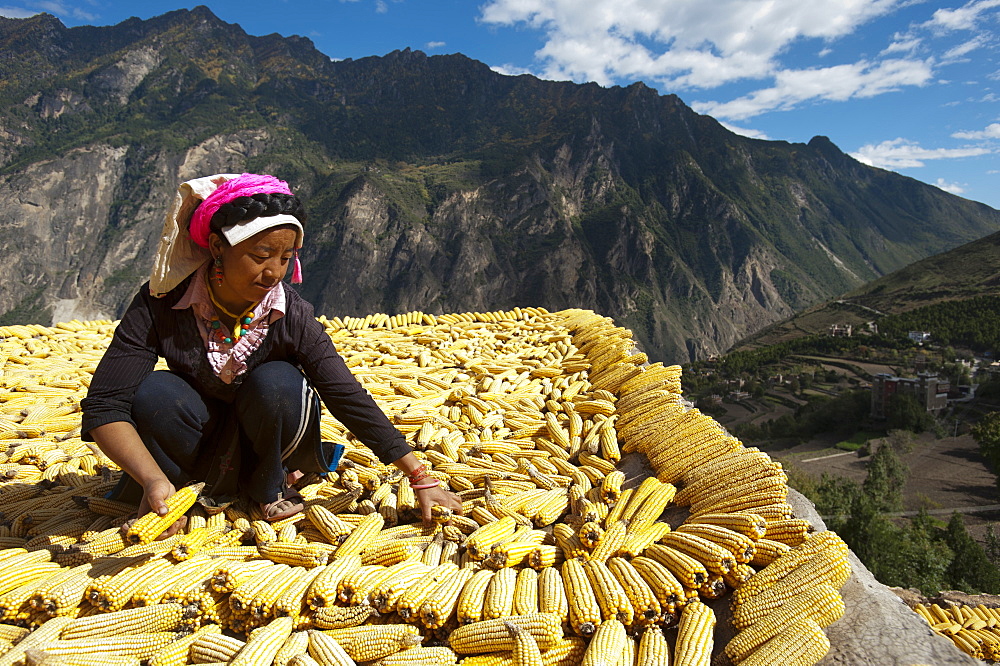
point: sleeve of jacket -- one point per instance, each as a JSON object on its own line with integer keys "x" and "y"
{"x": 342, "y": 394}
{"x": 130, "y": 357}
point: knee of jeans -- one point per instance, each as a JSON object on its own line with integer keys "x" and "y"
{"x": 277, "y": 384}
{"x": 163, "y": 397}
{"x": 150, "y": 398}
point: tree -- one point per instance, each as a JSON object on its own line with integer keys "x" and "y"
{"x": 883, "y": 486}
{"x": 986, "y": 432}
{"x": 904, "y": 412}
{"x": 970, "y": 569}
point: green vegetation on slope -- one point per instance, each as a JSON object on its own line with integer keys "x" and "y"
{"x": 919, "y": 552}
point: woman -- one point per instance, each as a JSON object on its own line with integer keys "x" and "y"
{"x": 238, "y": 407}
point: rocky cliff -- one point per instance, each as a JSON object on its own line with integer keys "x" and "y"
{"x": 433, "y": 184}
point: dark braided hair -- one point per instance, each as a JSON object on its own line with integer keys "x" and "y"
{"x": 245, "y": 209}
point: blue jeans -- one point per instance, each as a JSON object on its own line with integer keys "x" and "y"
{"x": 246, "y": 446}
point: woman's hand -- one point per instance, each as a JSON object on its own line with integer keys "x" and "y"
{"x": 437, "y": 495}
{"x": 154, "y": 498}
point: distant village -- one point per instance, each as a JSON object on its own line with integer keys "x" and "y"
{"x": 933, "y": 393}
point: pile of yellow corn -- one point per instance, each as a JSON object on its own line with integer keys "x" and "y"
{"x": 975, "y": 630}
{"x": 525, "y": 414}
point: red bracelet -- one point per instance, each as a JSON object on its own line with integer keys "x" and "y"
{"x": 417, "y": 474}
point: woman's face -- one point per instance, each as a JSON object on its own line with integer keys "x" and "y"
{"x": 252, "y": 267}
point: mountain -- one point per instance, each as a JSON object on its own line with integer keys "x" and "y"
{"x": 434, "y": 183}
{"x": 971, "y": 271}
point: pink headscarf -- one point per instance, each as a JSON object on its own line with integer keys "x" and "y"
{"x": 244, "y": 185}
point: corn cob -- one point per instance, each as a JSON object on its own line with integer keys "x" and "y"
{"x": 767, "y": 551}
{"x": 740, "y": 574}
{"x": 479, "y": 543}
{"x": 666, "y": 587}
{"x": 715, "y": 558}
{"x": 440, "y": 605}
{"x": 297, "y": 643}
{"x": 584, "y": 609}
{"x": 801, "y": 643}
{"x": 651, "y": 507}
{"x": 740, "y": 546}
{"x": 792, "y": 531}
{"x": 611, "y": 596}
{"x": 178, "y": 651}
{"x": 323, "y": 591}
{"x": 263, "y": 643}
{"x": 473, "y": 597}
{"x": 747, "y": 524}
{"x": 566, "y": 652}
{"x": 150, "y": 526}
{"x": 653, "y": 648}
{"x": 420, "y": 656}
{"x": 568, "y": 542}
{"x": 332, "y": 528}
{"x": 824, "y": 567}
{"x": 689, "y": 571}
{"x": 295, "y": 554}
{"x": 385, "y": 595}
{"x": 367, "y": 529}
{"x": 545, "y": 556}
{"x": 822, "y": 604}
{"x": 640, "y": 538}
{"x": 499, "y": 601}
{"x": 149, "y": 619}
{"x": 118, "y": 590}
{"x": 355, "y": 587}
{"x": 827, "y": 542}
{"x": 412, "y": 599}
{"x": 611, "y": 542}
{"x": 292, "y": 599}
{"x": 526, "y": 592}
{"x": 694, "y": 636}
{"x": 607, "y": 645}
{"x": 262, "y": 600}
{"x": 643, "y": 600}
{"x": 493, "y": 636}
{"x": 211, "y": 647}
{"x": 35, "y": 657}
{"x": 369, "y": 643}
{"x": 140, "y": 646}
{"x": 339, "y": 617}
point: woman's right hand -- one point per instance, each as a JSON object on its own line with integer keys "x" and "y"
{"x": 154, "y": 498}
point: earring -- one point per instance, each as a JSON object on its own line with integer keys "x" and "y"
{"x": 218, "y": 271}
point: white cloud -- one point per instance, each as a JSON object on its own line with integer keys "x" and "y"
{"x": 824, "y": 52}
{"x": 16, "y": 12}
{"x": 59, "y": 8}
{"x": 435, "y": 45}
{"x": 510, "y": 70}
{"x": 904, "y": 154}
{"x": 965, "y": 48}
{"x": 747, "y": 132}
{"x": 839, "y": 83}
{"x": 381, "y": 6}
{"x": 992, "y": 131}
{"x": 962, "y": 18}
{"x": 683, "y": 43}
{"x": 902, "y": 44}
{"x": 954, "y": 188}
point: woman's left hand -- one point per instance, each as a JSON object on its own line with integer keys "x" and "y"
{"x": 437, "y": 495}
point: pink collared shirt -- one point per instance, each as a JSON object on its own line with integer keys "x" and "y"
{"x": 229, "y": 361}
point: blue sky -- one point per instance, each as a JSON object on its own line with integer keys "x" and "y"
{"x": 905, "y": 85}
